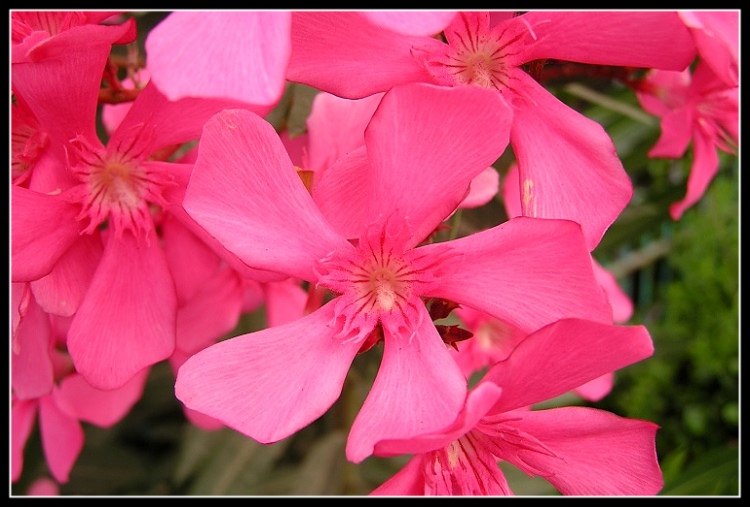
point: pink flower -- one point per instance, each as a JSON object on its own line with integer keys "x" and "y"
{"x": 245, "y": 191}
{"x": 717, "y": 36}
{"x": 697, "y": 109}
{"x": 239, "y": 56}
{"x": 44, "y": 384}
{"x": 563, "y": 155}
{"x": 38, "y": 35}
{"x": 93, "y": 241}
{"x": 571, "y": 447}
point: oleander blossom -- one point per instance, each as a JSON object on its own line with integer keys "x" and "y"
{"x": 568, "y": 163}
{"x": 571, "y": 447}
{"x": 696, "y": 109}
{"x": 246, "y": 192}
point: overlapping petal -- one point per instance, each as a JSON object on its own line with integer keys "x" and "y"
{"x": 419, "y": 166}
{"x": 117, "y": 333}
{"x": 647, "y": 39}
{"x": 62, "y": 437}
{"x": 563, "y": 356}
{"x": 246, "y": 193}
{"x": 528, "y": 272}
{"x": 42, "y": 229}
{"x": 568, "y": 164}
{"x": 595, "y": 452}
{"x": 329, "y": 45}
{"x": 418, "y": 389}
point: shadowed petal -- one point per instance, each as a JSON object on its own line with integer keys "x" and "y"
{"x": 102, "y": 408}
{"x": 62, "y": 438}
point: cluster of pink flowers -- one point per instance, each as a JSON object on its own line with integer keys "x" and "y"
{"x": 150, "y": 245}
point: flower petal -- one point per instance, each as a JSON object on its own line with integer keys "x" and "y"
{"x": 246, "y": 381}
{"x": 62, "y": 438}
{"x": 43, "y": 227}
{"x": 704, "y": 168}
{"x": 126, "y": 321}
{"x": 102, "y": 408}
{"x": 527, "y": 272}
{"x": 344, "y": 54}
{"x": 420, "y": 167}
{"x": 595, "y": 452}
{"x": 248, "y": 49}
{"x": 418, "y": 389}
{"x": 62, "y": 290}
{"x": 568, "y": 164}
{"x": 563, "y": 356}
{"x": 245, "y": 192}
{"x": 648, "y": 39}
{"x": 480, "y": 400}
{"x": 426, "y": 23}
{"x": 22, "y": 420}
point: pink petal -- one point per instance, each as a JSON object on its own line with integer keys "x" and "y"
{"x": 676, "y": 130}
{"x": 426, "y": 23}
{"x": 717, "y": 36}
{"x": 22, "y": 419}
{"x": 62, "y": 438}
{"x": 483, "y": 189}
{"x": 75, "y": 74}
{"x": 191, "y": 261}
{"x": 246, "y": 193}
{"x": 418, "y": 389}
{"x": 702, "y": 172}
{"x": 542, "y": 269}
{"x": 248, "y": 49}
{"x": 102, "y": 408}
{"x": 202, "y": 421}
{"x": 409, "y": 481}
{"x": 246, "y": 381}
{"x": 173, "y": 122}
{"x": 31, "y": 365}
{"x": 595, "y": 452}
{"x": 421, "y": 169}
{"x": 333, "y": 190}
{"x": 597, "y": 389}
{"x": 43, "y": 486}
{"x": 568, "y": 164}
{"x": 344, "y": 54}
{"x": 655, "y": 39}
{"x": 563, "y": 356}
{"x": 480, "y": 400}
{"x": 61, "y": 291}
{"x": 175, "y": 196}
{"x": 126, "y": 322}
{"x": 622, "y": 305}
{"x": 336, "y": 127}
{"x": 212, "y": 312}
{"x": 43, "y": 227}
{"x": 285, "y": 302}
